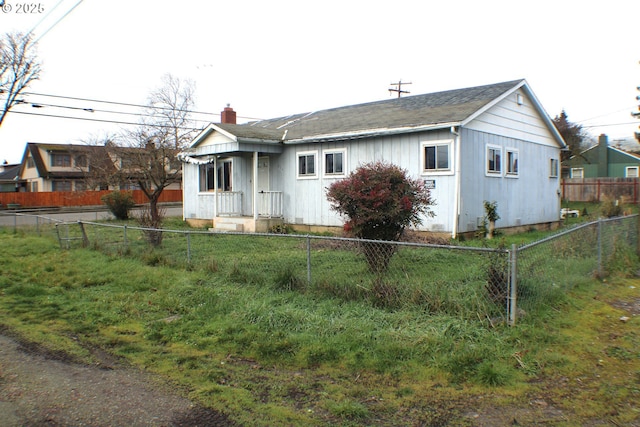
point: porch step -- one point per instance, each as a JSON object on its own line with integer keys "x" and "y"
{"x": 228, "y": 226}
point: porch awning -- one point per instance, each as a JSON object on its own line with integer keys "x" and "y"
{"x": 199, "y": 160}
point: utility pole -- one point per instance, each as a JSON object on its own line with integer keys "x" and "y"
{"x": 398, "y": 88}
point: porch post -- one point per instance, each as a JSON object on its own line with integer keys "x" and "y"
{"x": 255, "y": 185}
{"x": 215, "y": 186}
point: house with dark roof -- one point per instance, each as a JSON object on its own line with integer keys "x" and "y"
{"x": 73, "y": 167}
{"x": 57, "y": 167}
{"x": 603, "y": 161}
{"x": 492, "y": 142}
{"x": 9, "y": 177}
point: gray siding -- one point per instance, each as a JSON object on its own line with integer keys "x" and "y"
{"x": 530, "y": 198}
{"x": 305, "y": 199}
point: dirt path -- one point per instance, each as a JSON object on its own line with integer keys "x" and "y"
{"x": 40, "y": 388}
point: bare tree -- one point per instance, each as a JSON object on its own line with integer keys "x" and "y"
{"x": 169, "y": 107}
{"x": 148, "y": 153}
{"x": 19, "y": 67}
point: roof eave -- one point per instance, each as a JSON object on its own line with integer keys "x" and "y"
{"x": 369, "y": 133}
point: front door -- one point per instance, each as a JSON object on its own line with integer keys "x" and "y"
{"x": 264, "y": 198}
{"x": 263, "y": 174}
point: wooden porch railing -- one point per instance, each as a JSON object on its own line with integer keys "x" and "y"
{"x": 229, "y": 203}
{"x": 270, "y": 204}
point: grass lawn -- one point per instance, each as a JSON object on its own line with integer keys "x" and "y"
{"x": 269, "y": 353}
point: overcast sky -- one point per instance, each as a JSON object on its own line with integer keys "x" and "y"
{"x": 273, "y": 58}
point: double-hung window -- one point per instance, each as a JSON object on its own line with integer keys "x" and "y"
{"x": 207, "y": 172}
{"x": 512, "y": 162}
{"x": 307, "y": 164}
{"x": 494, "y": 160}
{"x": 334, "y": 162}
{"x": 436, "y": 156}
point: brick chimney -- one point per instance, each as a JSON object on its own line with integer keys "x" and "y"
{"x": 228, "y": 115}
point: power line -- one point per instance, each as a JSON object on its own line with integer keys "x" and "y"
{"x": 89, "y": 119}
{"x": 127, "y": 104}
{"x": 58, "y": 21}
{"x": 610, "y": 124}
{"x": 45, "y": 16}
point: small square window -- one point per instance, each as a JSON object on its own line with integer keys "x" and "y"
{"x": 631, "y": 172}
{"x": 577, "y": 173}
{"x": 307, "y": 164}
{"x": 494, "y": 160}
{"x": 436, "y": 157}
{"x": 334, "y": 162}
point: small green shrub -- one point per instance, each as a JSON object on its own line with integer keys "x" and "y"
{"x": 119, "y": 203}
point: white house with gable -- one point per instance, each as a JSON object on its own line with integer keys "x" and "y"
{"x": 492, "y": 142}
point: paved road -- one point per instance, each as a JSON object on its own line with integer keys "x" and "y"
{"x": 34, "y": 216}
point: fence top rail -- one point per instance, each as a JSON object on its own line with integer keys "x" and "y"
{"x": 35, "y": 216}
{"x": 298, "y": 236}
{"x": 573, "y": 229}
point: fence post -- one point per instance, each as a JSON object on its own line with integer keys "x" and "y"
{"x": 308, "y": 259}
{"x": 188, "y": 247}
{"x": 85, "y": 239}
{"x": 38, "y": 225}
{"x": 600, "y": 247}
{"x": 125, "y": 237}
{"x": 15, "y": 223}
{"x": 638, "y": 235}
{"x": 513, "y": 285}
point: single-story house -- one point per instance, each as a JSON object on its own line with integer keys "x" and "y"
{"x": 9, "y": 177}
{"x": 485, "y": 143}
{"x": 603, "y": 161}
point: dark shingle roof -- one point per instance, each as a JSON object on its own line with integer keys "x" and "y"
{"x": 452, "y": 106}
{"x": 9, "y": 172}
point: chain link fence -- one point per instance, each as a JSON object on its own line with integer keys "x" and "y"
{"x": 550, "y": 267}
{"x": 486, "y": 284}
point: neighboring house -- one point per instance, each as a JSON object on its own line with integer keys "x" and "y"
{"x": 55, "y": 167}
{"x": 603, "y": 161}
{"x": 492, "y": 142}
{"x": 9, "y": 178}
{"x": 69, "y": 167}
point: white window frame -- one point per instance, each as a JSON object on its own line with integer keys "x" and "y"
{"x": 577, "y": 173}
{"x": 493, "y": 148}
{"x": 341, "y": 174}
{"x": 634, "y": 168}
{"x": 313, "y": 175}
{"x": 509, "y": 172}
{"x": 554, "y": 167}
{"x": 450, "y": 157}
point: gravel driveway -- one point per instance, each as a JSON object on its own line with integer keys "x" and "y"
{"x": 40, "y": 388}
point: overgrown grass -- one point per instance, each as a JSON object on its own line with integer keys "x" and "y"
{"x": 248, "y": 340}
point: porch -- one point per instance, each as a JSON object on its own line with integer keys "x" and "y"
{"x": 229, "y": 214}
